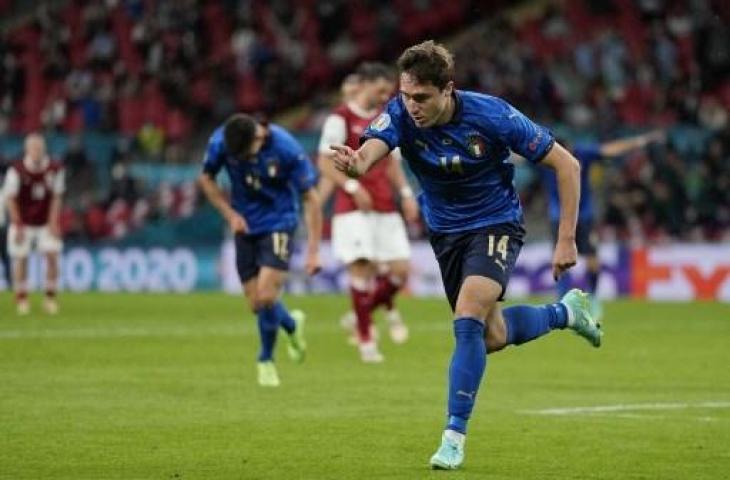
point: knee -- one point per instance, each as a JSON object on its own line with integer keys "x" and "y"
{"x": 470, "y": 309}
{"x": 265, "y": 297}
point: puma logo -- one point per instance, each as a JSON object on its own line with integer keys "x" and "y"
{"x": 470, "y": 396}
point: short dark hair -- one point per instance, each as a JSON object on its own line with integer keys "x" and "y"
{"x": 238, "y": 133}
{"x": 428, "y": 62}
{"x": 370, "y": 71}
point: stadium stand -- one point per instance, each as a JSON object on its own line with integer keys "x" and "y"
{"x": 119, "y": 82}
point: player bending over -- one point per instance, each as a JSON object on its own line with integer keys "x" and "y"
{"x": 269, "y": 171}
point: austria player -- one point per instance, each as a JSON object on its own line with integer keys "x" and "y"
{"x": 367, "y": 230}
{"x": 34, "y": 188}
{"x": 269, "y": 172}
{"x": 457, "y": 143}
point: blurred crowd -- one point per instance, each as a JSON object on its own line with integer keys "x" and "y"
{"x": 608, "y": 68}
{"x": 160, "y": 73}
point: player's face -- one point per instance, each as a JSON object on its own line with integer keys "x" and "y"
{"x": 379, "y": 92}
{"x": 425, "y": 102}
{"x": 349, "y": 89}
{"x": 259, "y": 138}
{"x": 35, "y": 148}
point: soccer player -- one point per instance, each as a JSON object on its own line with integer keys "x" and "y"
{"x": 367, "y": 229}
{"x": 269, "y": 171}
{"x": 587, "y": 153}
{"x": 457, "y": 143}
{"x": 34, "y": 188}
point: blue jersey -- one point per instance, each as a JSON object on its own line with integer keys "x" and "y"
{"x": 586, "y": 153}
{"x": 265, "y": 189}
{"x": 463, "y": 166}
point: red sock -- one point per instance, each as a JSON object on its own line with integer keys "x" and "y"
{"x": 362, "y": 305}
{"x": 385, "y": 291}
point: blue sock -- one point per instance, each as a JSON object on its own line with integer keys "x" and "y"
{"x": 466, "y": 370}
{"x": 593, "y": 282}
{"x": 268, "y": 325}
{"x": 564, "y": 284}
{"x": 525, "y": 323}
{"x": 285, "y": 320}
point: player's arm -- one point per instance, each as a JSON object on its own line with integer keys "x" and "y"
{"x": 354, "y": 163}
{"x": 216, "y": 197}
{"x": 567, "y": 171}
{"x": 313, "y": 221}
{"x": 616, "y": 148}
{"x": 400, "y": 183}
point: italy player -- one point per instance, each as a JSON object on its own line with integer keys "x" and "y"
{"x": 269, "y": 172}
{"x": 457, "y": 143}
{"x": 588, "y": 153}
{"x": 34, "y": 188}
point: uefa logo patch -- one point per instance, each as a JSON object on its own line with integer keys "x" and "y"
{"x": 381, "y": 123}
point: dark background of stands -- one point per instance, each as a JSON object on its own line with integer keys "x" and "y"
{"x": 127, "y": 92}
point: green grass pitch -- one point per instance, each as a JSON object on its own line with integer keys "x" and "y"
{"x": 130, "y": 386}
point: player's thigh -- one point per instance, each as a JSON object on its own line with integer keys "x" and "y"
{"x": 48, "y": 243}
{"x": 477, "y": 297}
{"x": 273, "y": 252}
{"x": 352, "y": 236}
{"x": 269, "y": 285}
{"x": 391, "y": 237}
{"x": 21, "y": 248}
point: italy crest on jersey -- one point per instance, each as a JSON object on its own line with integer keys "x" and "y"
{"x": 476, "y": 146}
{"x": 381, "y": 123}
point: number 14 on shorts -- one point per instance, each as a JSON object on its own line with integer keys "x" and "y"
{"x": 500, "y": 242}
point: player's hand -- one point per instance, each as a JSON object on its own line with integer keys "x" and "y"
{"x": 410, "y": 209}
{"x": 346, "y": 160}
{"x": 237, "y": 223}
{"x": 362, "y": 199}
{"x": 312, "y": 265}
{"x": 564, "y": 257}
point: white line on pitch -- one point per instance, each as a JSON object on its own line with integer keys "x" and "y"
{"x": 626, "y": 408}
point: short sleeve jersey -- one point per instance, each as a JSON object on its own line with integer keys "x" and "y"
{"x": 266, "y": 188}
{"x": 463, "y": 166}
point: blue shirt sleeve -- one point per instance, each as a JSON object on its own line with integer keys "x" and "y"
{"x": 520, "y": 134}
{"x": 385, "y": 127}
{"x": 214, "y": 155}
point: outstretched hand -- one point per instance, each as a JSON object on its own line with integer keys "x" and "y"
{"x": 346, "y": 160}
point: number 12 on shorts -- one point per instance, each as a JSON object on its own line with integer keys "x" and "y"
{"x": 281, "y": 244}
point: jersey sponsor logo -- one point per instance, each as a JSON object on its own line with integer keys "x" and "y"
{"x": 381, "y": 123}
{"x": 476, "y": 145}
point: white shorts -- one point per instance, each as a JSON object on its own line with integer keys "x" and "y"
{"x": 33, "y": 237}
{"x": 374, "y": 236}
